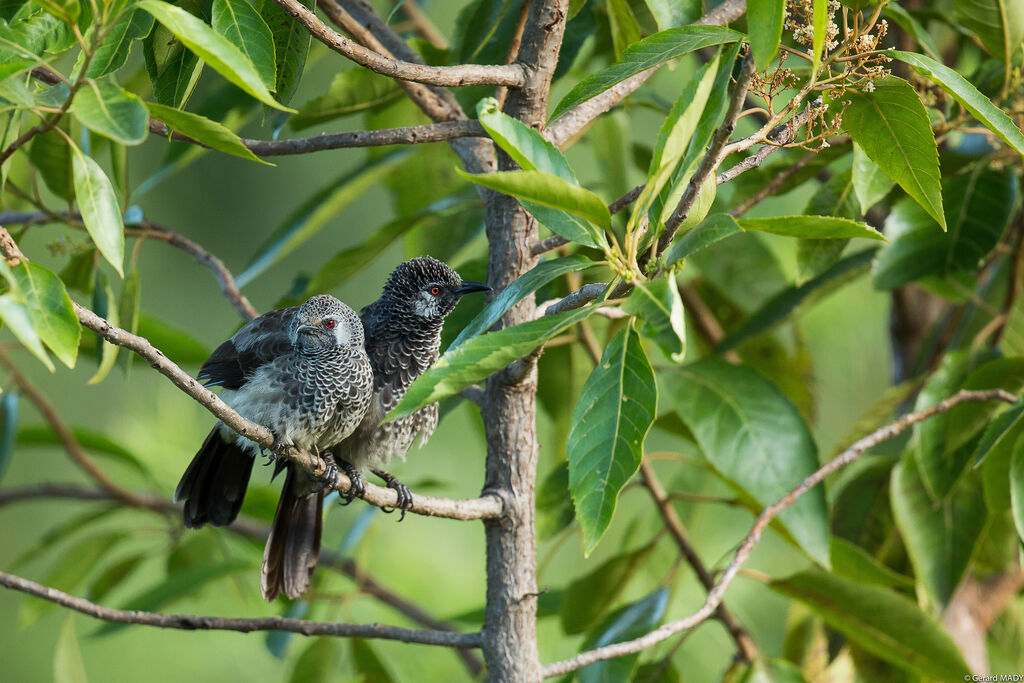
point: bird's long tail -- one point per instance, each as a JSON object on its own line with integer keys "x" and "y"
{"x": 214, "y": 484}
{"x": 293, "y": 546}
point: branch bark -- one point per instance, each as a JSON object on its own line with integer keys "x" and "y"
{"x": 460, "y": 75}
{"x": 717, "y": 592}
{"x": 194, "y": 622}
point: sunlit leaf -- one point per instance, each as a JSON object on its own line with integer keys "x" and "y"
{"x": 819, "y": 26}
{"x": 241, "y": 24}
{"x": 173, "y": 69}
{"x": 764, "y": 18}
{"x": 109, "y": 110}
{"x": 15, "y": 317}
{"x": 526, "y": 146}
{"x": 546, "y": 190}
{"x": 204, "y": 130}
{"x": 870, "y": 183}
{"x": 101, "y": 210}
{"x": 49, "y": 308}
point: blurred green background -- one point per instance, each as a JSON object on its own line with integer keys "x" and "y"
{"x": 230, "y": 206}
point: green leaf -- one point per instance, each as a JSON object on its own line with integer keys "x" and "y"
{"x": 819, "y": 23}
{"x": 908, "y": 23}
{"x": 1017, "y": 486}
{"x": 100, "y": 208}
{"x": 311, "y": 217}
{"x": 128, "y": 312}
{"x": 853, "y": 562}
{"x": 940, "y": 535}
{"x": 318, "y": 662}
{"x": 882, "y": 622}
{"x": 351, "y": 91}
{"x": 547, "y": 190}
{"x": 241, "y": 24}
{"x": 112, "y": 53}
{"x": 991, "y": 116}
{"x": 537, "y": 277}
{"x": 891, "y": 125}
{"x": 870, "y": 182}
{"x": 50, "y": 310}
{"x": 175, "y": 343}
{"x": 221, "y": 55}
{"x": 930, "y": 449}
{"x": 979, "y": 206}
{"x": 649, "y": 52}
{"x": 712, "y": 229}
{"x": 291, "y": 43}
{"x": 367, "y": 663}
{"x": 998, "y": 23}
{"x": 764, "y": 19}
{"x": 184, "y": 583}
{"x": 812, "y": 227}
{"x": 114, "y": 575}
{"x": 482, "y": 355}
{"x": 210, "y": 133}
{"x": 1000, "y": 434}
{"x": 103, "y": 305}
{"x": 791, "y": 299}
{"x": 835, "y": 197}
{"x": 756, "y": 439}
{"x": 1012, "y": 340}
{"x": 615, "y": 411}
{"x": 659, "y": 305}
{"x": 590, "y": 597}
{"x": 173, "y": 69}
{"x": 8, "y": 429}
{"x": 627, "y": 623}
{"x": 15, "y": 317}
{"x": 50, "y": 154}
{"x": 570, "y": 226}
{"x": 67, "y": 658}
{"x": 109, "y": 110}
{"x": 554, "y": 508}
{"x": 65, "y": 10}
{"x": 526, "y": 146}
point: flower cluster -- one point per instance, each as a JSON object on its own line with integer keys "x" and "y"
{"x": 799, "y": 20}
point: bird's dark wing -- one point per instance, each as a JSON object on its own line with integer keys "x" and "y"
{"x": 258, "y": 342}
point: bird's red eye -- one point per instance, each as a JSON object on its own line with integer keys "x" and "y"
{"x": 435, "y": 290}
{"x": 329, "y": 324}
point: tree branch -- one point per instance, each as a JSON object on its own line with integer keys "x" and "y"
{"x": 572, "y": 122}
{"x": 717, "y": 593}
{"x": 460, "y": 75}
{"x": 779, "y": 137}
{"x": 193, "y": 622}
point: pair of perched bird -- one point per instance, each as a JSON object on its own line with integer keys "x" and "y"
{"x": 320, "y": 378}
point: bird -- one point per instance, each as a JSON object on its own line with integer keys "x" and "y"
{"x": 403, "y": 340}
{"x": 303, "y": 373}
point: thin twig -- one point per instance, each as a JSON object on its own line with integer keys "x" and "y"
{"x": 193, "y": 622}
{"x": 781, "y": 136}
{"x": 459, "y": 75}
{"x": 773, "y": 185}
{"x": 513, "y": 48}
{"x": 716, "y": 594}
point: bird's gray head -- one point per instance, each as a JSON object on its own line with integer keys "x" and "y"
{"x": 426, "y": 288}
{"x": 323, "y": 323}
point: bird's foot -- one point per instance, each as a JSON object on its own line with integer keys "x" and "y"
{"x": 329, "y": 478}
{"x": 404, "y": 494}
{"x": 358, "y": 487}
{"x": 278, "y": 449}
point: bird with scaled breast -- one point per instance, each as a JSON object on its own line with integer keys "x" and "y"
{"x": 303, "y": 373}
{"x": 403, "y": 339}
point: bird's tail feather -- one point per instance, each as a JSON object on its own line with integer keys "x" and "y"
{"x": 214, "y": 484}
{"x": 293, "y": 546}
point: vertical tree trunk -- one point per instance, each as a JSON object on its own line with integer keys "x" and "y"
{"x": 510, "y": 635}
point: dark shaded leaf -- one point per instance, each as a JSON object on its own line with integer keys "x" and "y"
{"x": 291, "y": 43}
{"x": 51, "y": 156}
{"x": 351, "y": 91}
{"x": 631, "y": 621}
{"x": 113, "y": 575}
{"x": 590, "y": 597}
{"x": 318, "y": 663}
{"x": 112, "y": 53}
{"x": 9, "y": 427}
{"x": 368, "y": 664}
{"x": 998, "y": 23}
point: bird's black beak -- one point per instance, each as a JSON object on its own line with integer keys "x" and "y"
{"x": 306, "y": 329}
{"x": 468, "y": 287}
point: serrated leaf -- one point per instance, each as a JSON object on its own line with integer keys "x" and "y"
{"x": 998, "y": 23}
{"x": 100, "y": 208}
{"x": 615, "y": 411}
{"x": 631, "y": 621}
{"x": 242, "y": 25}
{"x": 312, "y": 215}
{"x": 991, "y": 116}
{"x": 526, "y": 146}
{"x": 482, "y": 355}
{"x": 206, "y": 131}
{"x": 547, "y": 190}
{"x": 15, "y": 317}
{"x": 291, "y": 43}
{"x": 8, "y": 429}
{"x": 67, "y": 658}
{"x": 587, "y": 599}
{"x": 940, "y": 535}
{"x": 649, "y": 52}
{"x": 49, "y": 308}
{"x": 112, "y": 53}
{"x": 879, "y": 620}
{"x": 105, "y": 108}
{"x": 764, "y": 18}
{"x": 756, "y": 439}
{"x": 214, "y": 49}
{"x": 350, "y": 92}
{"x": 979, "y": 204}
{"x": 659, "y": 305}
{"x": 537, "y": 277}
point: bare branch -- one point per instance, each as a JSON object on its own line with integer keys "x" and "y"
{"x": 717, "y": 593}
{"x": 193, "y": 622}
{"x": 712, "y": 158}
{"x": 459, "y": 76}
{"x": 572, "y": 122}
{"x": 782, "y": 135}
